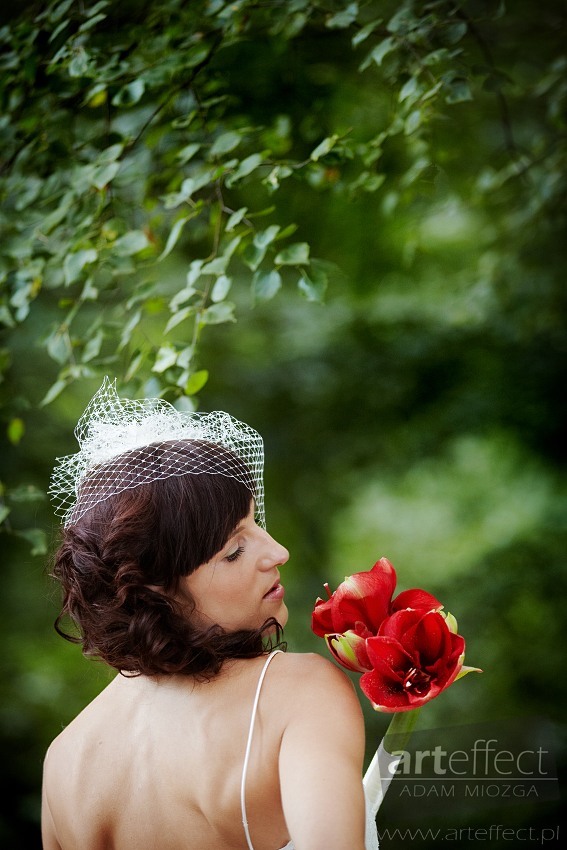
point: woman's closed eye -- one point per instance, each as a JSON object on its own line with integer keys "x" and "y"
{"x": 234, "y": 556}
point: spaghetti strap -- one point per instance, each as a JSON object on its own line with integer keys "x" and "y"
{"x": 249, "y": 747}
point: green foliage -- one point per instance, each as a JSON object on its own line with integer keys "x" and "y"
{"x": 128, "y": 137}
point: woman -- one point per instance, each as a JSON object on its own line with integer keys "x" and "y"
{"x": 204, "y": 739}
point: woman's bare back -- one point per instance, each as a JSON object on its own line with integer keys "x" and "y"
{"x": 157, "y": 763}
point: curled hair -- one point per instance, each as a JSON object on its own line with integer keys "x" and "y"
{"x": 152, "y": 535}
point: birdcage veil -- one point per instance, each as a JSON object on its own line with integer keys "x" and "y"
{"x": 125, "y": 443}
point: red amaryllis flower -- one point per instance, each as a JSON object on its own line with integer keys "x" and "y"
{"x": 358, "y": 607}
{"x": 366, "y": 599}
{"x": 414, "y": 657}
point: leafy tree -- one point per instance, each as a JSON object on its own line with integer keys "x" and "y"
{"x": 145, "y": 178}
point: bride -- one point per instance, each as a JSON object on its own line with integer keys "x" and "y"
{"x": 210, "y": 736}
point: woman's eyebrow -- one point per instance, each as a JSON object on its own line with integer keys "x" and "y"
{"x": 238, "y": 530}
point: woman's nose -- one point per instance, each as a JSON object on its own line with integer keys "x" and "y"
{"x": 277, "y": 555}
{"x": 283, "y": 556}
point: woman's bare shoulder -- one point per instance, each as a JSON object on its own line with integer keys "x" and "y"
{"x": 306, "y": 676}
{"x": 78, "y": 732}
{"x": 309, "y": 663}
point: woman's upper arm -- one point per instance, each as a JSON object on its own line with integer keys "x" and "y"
{"x": 48, "y": 834}
{"x": 321, "y": 759}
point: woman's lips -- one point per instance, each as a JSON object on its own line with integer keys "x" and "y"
{"x": 275, "y": 593}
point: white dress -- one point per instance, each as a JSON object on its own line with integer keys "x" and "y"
{"x": 373, "y": 786}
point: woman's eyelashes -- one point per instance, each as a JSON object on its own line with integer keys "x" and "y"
{"x": 234, "y": 556}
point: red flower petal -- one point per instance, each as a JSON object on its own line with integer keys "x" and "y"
{"x": 322, "y": 618}
{"x": 385, "y": 694}
{"x": 360, "y": 602}
{"x": 388, "y": 657}
{"x": 429, "y": 638}
{"x": 416, "y": 598}
{"x": 364, "y": 597}
{"x": 399, "y": 623}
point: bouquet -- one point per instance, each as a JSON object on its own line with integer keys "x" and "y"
{"x": 407, "y": 649}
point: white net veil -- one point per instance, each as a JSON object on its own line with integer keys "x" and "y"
{"x": 124, "y": 444}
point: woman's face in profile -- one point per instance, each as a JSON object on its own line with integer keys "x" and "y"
{"x": 239, "y": 588}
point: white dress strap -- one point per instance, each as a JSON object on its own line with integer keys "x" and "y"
{"x": 249, "y": 747}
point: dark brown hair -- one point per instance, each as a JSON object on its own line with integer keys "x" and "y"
{"x": 153, "y": 534}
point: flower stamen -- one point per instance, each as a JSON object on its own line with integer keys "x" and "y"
{"x": 417, "y": 681}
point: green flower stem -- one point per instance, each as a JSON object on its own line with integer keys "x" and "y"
{"x": 400, "y": 729}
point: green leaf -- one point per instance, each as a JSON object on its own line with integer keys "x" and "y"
{"x": 412, "y": 122}
{"x": 324, "y": 147}
{"x": 131, "y": 243}
{"x": 92, "y": 348}
{"x": 216, "y": 266}
{"x": 179, "y": 317}
{"x": 313, "y": 285}
{"x": 380, "y": 51}
{"x": 278, "y": 172}
{"x": 344, "y": 18}
{"x": 409, "y": 89}
{"x": 185, "y": 356}
{"x": 27, "y": 493}
{"x": 102, "y": 175}
{"x": 181, "y": 297}
{"x": 455, "y": 32}
{"x": 196, "y": 382}
{"x": 265, "y": 285}
{"x": 221, "y": 288}
{"x": 59, "y": 347}
{"x": 56, "y": 12}
{"x": 37, "y": 538}
{"x": 265, "y": 237}
{"x": 188, "y": 188}
{"x": 194, "y": 272}
{"x": 235, "y": 218}
{"x": 187, "y": 153}
{"x": 166, "y": 357}
{"x": 134, "y": 366}
{"x": 192, "y": 184}
{"x": 53, "y": 392}
{"x": 216, "y": 314}
{"x": 288, "y": 230}
{"x": 459, "y": 91}
{"x": 111, "y": 153}
{"x": 15, "y": 430}
{"x": 368, "y": 181}
{"x": 4, "y": 512}
{"x": 225, "y": 143}
{"x": 232, "y": 246}
{"x": 294, "y": 255}
{"x": 404, "y": 19}
{"x": 129, "y": 94}
{"x": 128, "y": 328}
{"x": 196, "y": 54}
{"x": 253, "y": 256}
{"x": 96, "y": 96}
{"x": 73, "y": 264}
{"x": 79, "y": 64}
{"x": 245, "y": 167}
{"x": 91, "y": 22}
{"x": 174, "y": 236}
{"x": 363, "y": 33}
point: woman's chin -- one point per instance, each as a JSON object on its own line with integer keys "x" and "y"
{"x": 283, "y": 615}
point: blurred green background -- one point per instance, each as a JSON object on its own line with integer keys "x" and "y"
{"x": 415, "y": 411}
